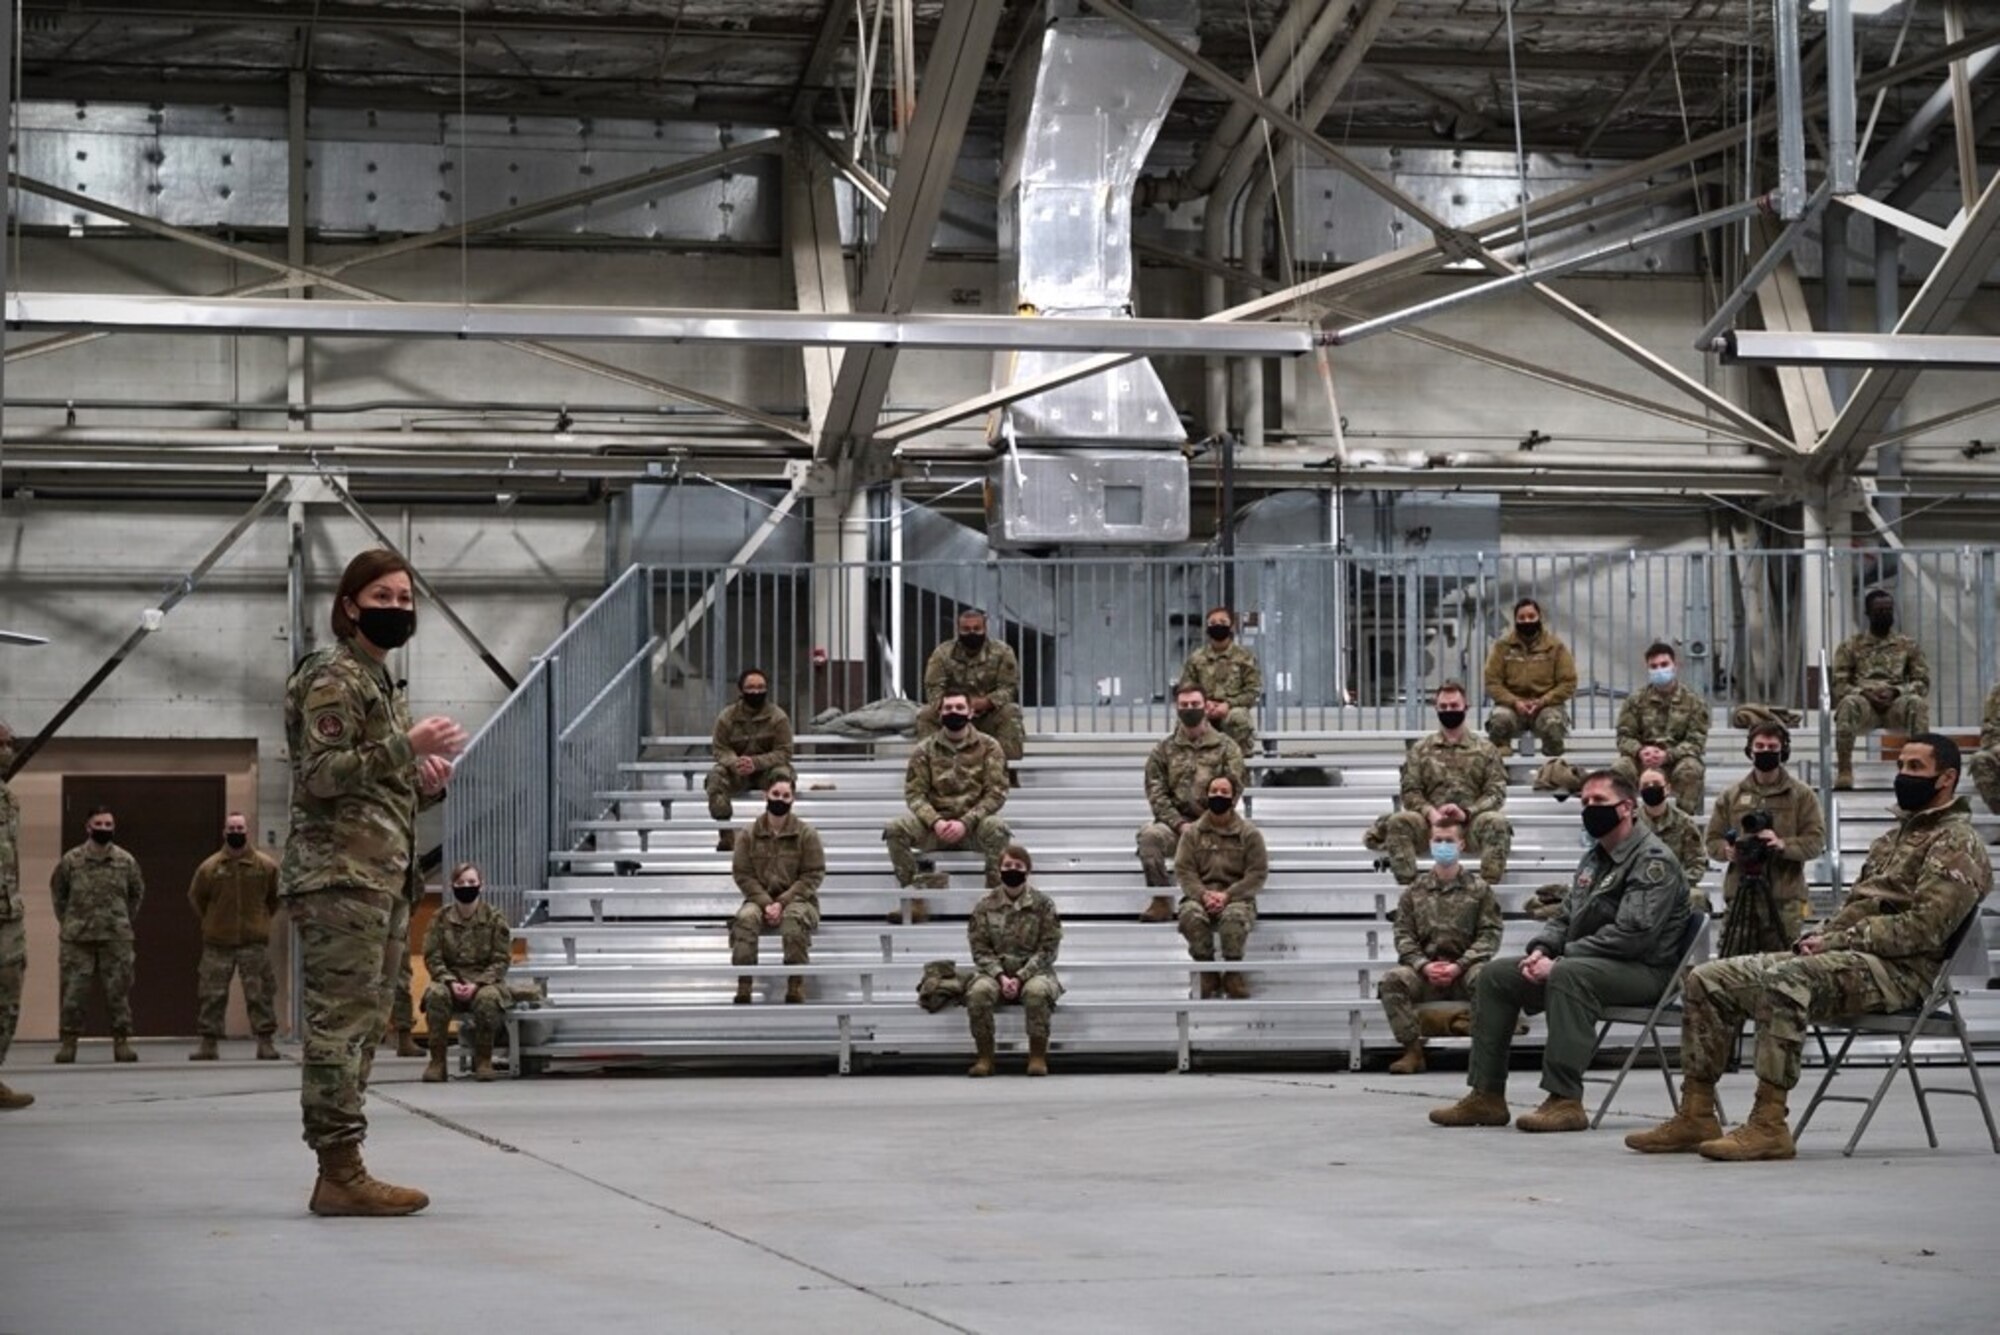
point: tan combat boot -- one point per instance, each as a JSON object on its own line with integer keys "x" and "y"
{"x": 743, "y": 986}
{"x": 121, "y": 1047}
{"x": 1491, "y": 872}
{"x": 1210, "y": 985}
{"x": 795, "y": 989}
{"x": 482, "y": 1056}
{"x": 1684, "y": 1133}
{"x": 1412, "y": 1060}
{"x": 1843, "y": 773}
{"x": 1158, "y": 911}
{"x": 344, "y": 1188}
{"x": 13, "y": 1102}
{"x": 1235, "y": 987}
{"x": 434, "y": 1073}
{"x": 406, "y": 1044}
{"x": 1764, "y": 1136}
{"x": 1555, "y": 1114}
{"x": 66, "y": 1052}
{"x": 204, "y": 1051}
{"x": 982, "y": 1063}
{"x": 267, "y": 1051}
{"x": 725, "y": 841}
{"x": 920, "y": 910}
{"x": 1478, "y": 1108}
{"x": 1038, "y": 1055}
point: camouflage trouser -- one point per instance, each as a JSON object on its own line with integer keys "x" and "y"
{"x": 488, "y": 1009}
{"x": 1157, "y": 842}
{"x": 1002, "y": 723}
{"x": 1784, "y": 993}
{"x": 260, "y": 986}
{"x": 1688, "y": 778}
{"x": 346, "y": 967}
{"x": 1491, "y": 836}
{"x": 402, "y": 1009}
{"x": 1038, "y": 998}
{"x": 1985, "y": 769}
{"x": 1403, "y": 989}
{"x": 1233, "y": 925}
{"x": 795, "y": 928}
{"x": 13, "y": 972}
{"x": 908, "y": 836}
{"x": 724, "y": 783}
{"x": 1856, "y": 714}
{"x": 1575, "y": 997}
{"x": 82, "y": 963}
{"x": 1239, "y": 725}
{"x": 1550, "y": 726}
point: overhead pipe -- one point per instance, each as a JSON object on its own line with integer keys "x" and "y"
{"x": 1791, "y": 111}
{"x": 1235, "y": 121}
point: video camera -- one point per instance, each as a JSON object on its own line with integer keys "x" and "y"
{"x": 1751, "y": 852}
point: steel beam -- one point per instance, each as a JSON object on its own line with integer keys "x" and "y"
{"x": 1781, "y": 301}
{"x": 819, "y": 268}
{"x": 1961, "y": 107}
{"x": 1932, "y": 352}
{"x": 819, "y": 61}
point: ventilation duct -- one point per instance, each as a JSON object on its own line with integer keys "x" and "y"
{"x": 1098, "y": 461}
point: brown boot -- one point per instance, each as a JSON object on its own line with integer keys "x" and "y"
{"x": 434, "y": 1073}
{"x": 1038, "y": 1055}
{"x": 920, "y": 910}
{"x": 1159, "y": 910}
{"x": 204, "y": 1051}
{"x": 725, "y": 841}
{"x": 795, "y": 989}
{"x": 66, "y": 1052}
{"x": 1687, "y": 1129}
{"x": 1235, "y": 987}
{"x": 13, "y": 1102}
{"x": 743, "y": 986}
{"x": 344, "y": 1187}
{"x": 482, "y": 1057}
{"x": 1555, "y": 1114}
{"x": 406, "y": 1044}
{"x": 982, "y": 1063}
{"x": 1210, "y": 985}
{"x": 1412, "y": 1060}
{"x": 1477, "y": 1108}
{"x": 1764, "y": 1136}
{"x": 121, "y": 1048}
{"x": 267, "y": 1051}
{"x": 1843, "y": 776}
{"x": 1461, "y": 1024}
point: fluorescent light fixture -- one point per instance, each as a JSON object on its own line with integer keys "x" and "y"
{"x": 1861, "y": 8}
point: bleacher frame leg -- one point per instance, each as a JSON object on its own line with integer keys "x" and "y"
{"x": 846, "y": 1023}
{"x": 1186, "y": 1056}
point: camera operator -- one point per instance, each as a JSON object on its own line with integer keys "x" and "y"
{"x": 1766, "y": 826}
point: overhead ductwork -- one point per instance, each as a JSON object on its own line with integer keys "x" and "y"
{"x": 1099, "y": 461}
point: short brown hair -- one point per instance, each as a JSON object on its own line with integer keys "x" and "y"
{"x": 1452, "y": 823}
{"x": 1224, "y": 609}
{"x": 1453, "y": 687}
{"x": 463, "y": 868}
{"x": 1019, "y": 854}
{"x": 1658, "y": 647}
{"x": 362, "y": 571}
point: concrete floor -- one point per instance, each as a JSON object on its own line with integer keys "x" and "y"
{"x": 165, "y": 1197}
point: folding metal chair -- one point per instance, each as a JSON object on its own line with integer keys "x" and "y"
{"x": 1694, "y": 950}
{"x": 1938, "y": 1016}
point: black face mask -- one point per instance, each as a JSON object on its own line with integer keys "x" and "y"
{"x": 1881, "y": 622}
{"x": 465, "y": 894}
{"x": 236, "y": 839}
{"x": 755, "y": 699}
{"x": 387, "y": 627}
{"x": 1653, "y": 797}
{"x": 101, "y": 837}
{"x": 1914, "y": 792}
{"x": 1014, "y": 877}
{"x": 1219, "y": 803}
{"x": 1600, "y": 821}
{"x": 954, "y": 722}
{"x": 1451, "y": 718}
{"x": 1219, "y": 631}
{"x": 1528, "y": 630}
{"x": 778, "y": 807}
{"x": 1766, "y": 761}
{"x": 1191, "y": 717}
{"x": 972, "y": 644}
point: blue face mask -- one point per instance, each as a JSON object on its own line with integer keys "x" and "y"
{"x": 1444, "y": 853}
{"x": 1660, "y": 676}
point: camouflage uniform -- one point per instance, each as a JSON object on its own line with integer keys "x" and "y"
{"x": 13, "y": 930}
{"x": 1178, "y": 773}
{"x": 783, "y": 866}
{"x": 1457, "y": 920}
{"x": 1436, "y": 772}
{"x": 993, "y": 672}
{"x": 1795, "y": 818}
{"x": 1228, "y": 858}
{"x": 1674, "y": 720}
{"x": 476, "y": 949}
{"x": 1229, "y": 673}
{"x": 1516, "y": 671}
{"x": 1984, "y": 764}
{"x": 97, "y": 892}
{"x": 964, "y": 781}
{"x": 764, "y": 735}
{"x": 1867, "y": 662}
{"x": 234, "y": 894}
{"x": 1616, "y": 940}
{"x": 1017, "y": 937}
{"x": 1677, "y": 830}
{"x": 1880, "y": 953}
{"x": 348, "y": 873}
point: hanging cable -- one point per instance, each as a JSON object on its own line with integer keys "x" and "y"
{"x": 1520, "y": 140}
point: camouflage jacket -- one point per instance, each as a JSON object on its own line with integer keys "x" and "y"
{"x": 966, "y": 781}
{"x": 1017, "y": 937}
{"x": 1517, "y": 671}
{"x": 97, "y": 893}
{"x": 354, "y": 777}
{"x": 1628, "y": 904}
{"x": 1229, "y": 673}
{"x": 1796, "y": 818}
{"x": 1438, "y": 771}
{"x": 1989, "y": 727}
{"x": 1920, "y": 881}
{"x": 785, "y": 865}
{"x": 1868, "y": 661}
{"x": 1676, "y": 721}
{"x": 1457, "y": 920}
{"x": 476, "y": 950}
{"x": 993, "y": 672}
{"x": 10, "y": 855}
{"x": 1676, "y": 829}
{"x": 764, "y": 735}
{"x": 235, "y": 896}
{"x": 1180, "y": 769}
{"x": 1214, "y": 857}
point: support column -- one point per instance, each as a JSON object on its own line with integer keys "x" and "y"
{"x": 1889, "y": 313}
{"x": 298, "y": 350}
{"x": 840, "y": 598}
